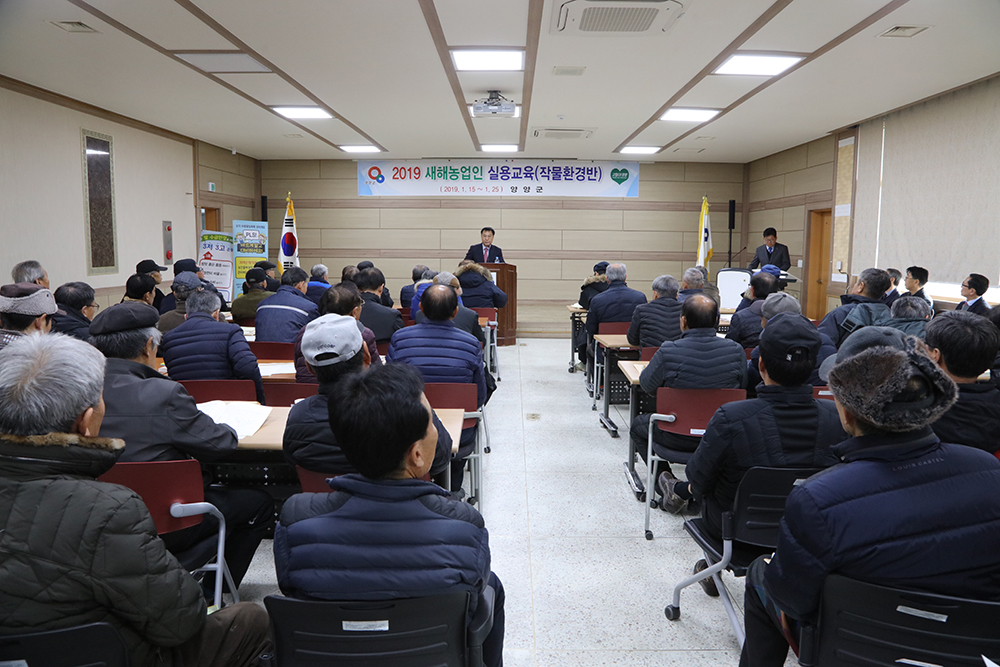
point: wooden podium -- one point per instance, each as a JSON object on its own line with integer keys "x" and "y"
{"x": 506, "y": 316}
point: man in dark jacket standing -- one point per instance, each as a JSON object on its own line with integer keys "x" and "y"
{"x": 159, "y": 421}
{"x": 203, "y": 348}
{"x": 80, "y": 551}
{"x": 381, "y": 320}
{"x": 871, "y": 286}
{"x": 660, "y": 319}
{"x": 328, "y": 546}
{"x": 902, "y": 510}
{"x": 77, "y": 308}
{"x": 282, "y": 316}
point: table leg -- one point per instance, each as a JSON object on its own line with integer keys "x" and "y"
{"x": 605, "y": 417}
{"x": 634, "y": 480}
{"x": 572, "y": 336}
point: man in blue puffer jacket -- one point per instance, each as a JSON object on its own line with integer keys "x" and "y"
{"x": 385, "y": 533}
{"x": 205, "y": 349}
{"x": 282, "y": 316}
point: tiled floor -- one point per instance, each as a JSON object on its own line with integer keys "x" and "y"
{"x": 583, "y": 585}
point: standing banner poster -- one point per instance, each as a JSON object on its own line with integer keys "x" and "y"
{"x": 216, "y": 261}
{"x": 250, "y": 241}
{"x": 493, "y": 178}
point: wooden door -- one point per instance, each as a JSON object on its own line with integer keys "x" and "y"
{"x": 818, "y": 263}
{"x": 211, "y": 221}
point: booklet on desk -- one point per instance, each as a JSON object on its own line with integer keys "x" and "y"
{"x": 244, "y": 417}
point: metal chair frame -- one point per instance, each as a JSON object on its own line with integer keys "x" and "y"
{"x": 446, "y": 395}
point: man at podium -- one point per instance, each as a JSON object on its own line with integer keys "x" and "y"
{"x": 485, "y": 252}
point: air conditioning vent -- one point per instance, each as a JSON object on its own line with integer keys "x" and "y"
{"x": 614, "y": 17}
{"x": 73, "y": 26}
{"x": 688, "y": 151}
{"x": 562, "y": 132}
{"x": 904, "y": 31}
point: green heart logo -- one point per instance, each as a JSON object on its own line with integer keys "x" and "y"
{"x": 619, "y": 176}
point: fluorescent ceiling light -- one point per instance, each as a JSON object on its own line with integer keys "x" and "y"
{"x": 517, "y": 113}
{"x": 488, "y": 61}
{"x": 302, "y": 112}
{"x": 757, "y": 65}
{"x": 360, "y": 149}
{"x": 94, "y": 151}
{"x": 499, "y": 148}
{"x": 690, "y": 115}
{"x": 640, "y": 150}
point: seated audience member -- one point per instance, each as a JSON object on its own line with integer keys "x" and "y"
{"x": 902, "y": 510}
{"x": 141, "y": 288}
{"x": 745, "y": 301}
{"x": 332, "y": 350}
{"x": 282, "y": 316}
{"x": 318, "y": 282}
{"x": 254, "y": 291}
{"x": 994, "y": 316}
{"x": 349, "y": 273}
{"x": 784, "y": 427}
{"x": 692, "y": 282}
{"x": 615, "y": 304}
{"x": 478, "y": 288}
{"x": 341, "y": 299}
{"x": 148, "y": 267}
{"x": 331, "y": 544}
{"x": 895, "y": 277}
{"x": 184, "y": 285}
{"x": 709, "y": 287}
{"x": 916, "y": 278}
{"x": 964, "y": 346}
{"x": 25, "y": 308}
{"x": 660, "y": 319}
{"x": 973, "y": 289}
{"x": 30, "y": 271}
{"x": 910, "y": 315}
{"x": 594, "y": 285}
{"x": 421, "y": 286}
{"x": 76, "y": 309}
{"x": 745, "y": 325}
{"x": 385, "y": 298}
{"x": 181, "y": 266}
{"x": 272, "y": 284}
{"x": 782, "y": 302}
{"x": 697, "y": 360}
{"x": 382, "y": 320}
{"x": 79, "y": 551}
{"x": 406, "y": 294}
{"x": 203, "y": 348}
{"x": 443, "y": 353}
{"x": 867, "y": 294}
{"x": 465, "y": 319}
{"x": 159, "y": 421}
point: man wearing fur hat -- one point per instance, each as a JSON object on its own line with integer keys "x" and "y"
{"x": 903, "y": 509}
{"x": 75, "y": 550}
{"x": 478, "y": 288}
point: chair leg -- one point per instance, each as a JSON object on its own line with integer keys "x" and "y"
{"x": 673, "y": 610}
{"x": 486, "y": 429}
{"x": 650, "y": 488}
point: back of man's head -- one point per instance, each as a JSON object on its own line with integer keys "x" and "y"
{"x": 428, "y": 274}
{"x": 978, "y": 283}
{"x": 763, "y": 284}
{"x": 318, "y": 272}
{"x": 74, "y": 295}
{"x": 789, "y": 347}
{"x": 349, "y": 273}
{"x": 910, "y": 308}
{"x": 617, "y": 271}
{"x": 700, "y": 312}
{"x": 46, "y": 382}
{"x": 666, "y": 286}
{"x": 203, "y": 301}
{"x": 876, "y": 282}
{"x": 122, "y": 331}
{"x": 28, "y": 271}
{"x": 256, "y": 279}
{"x": 418, "y": 272}
{"x": 693, "y": 278}
{"x": 446, "y": 278}
{"x": 370, "y": 279}
{"x": 293, "y": 276}
{"x": 894, "y": 275}
{"x": 968, "y": 342}
{"x": 21, "y": 304}
{"x": 439, "y": 302}
{"x": 332, "y": 346}
{"x": 341, "y": 299}
{"x": 139, "y": 285}
{"x": 377, "y": 416}
{"x": 919, "y": 273}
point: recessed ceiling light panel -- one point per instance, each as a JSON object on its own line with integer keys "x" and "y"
{"x": 488, "y": 61}
{"x": 499, "y": 148}
{"x": 757, "y": 65}
{"x": 690, "y": 115}
{"x": 360, "y": 149}
{"x": 223, "y": 62}
{"x": 639, "y": 150}
{"x": 302, "y": 112}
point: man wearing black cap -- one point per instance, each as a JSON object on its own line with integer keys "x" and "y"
{"x": 902, "y": 510}
{"x": 159, "y": 421}
{"x": 25, "y": 308}
{"x": 594, "y": 285}
{"x": 152, "y": 269}
{"x": 254, "y": 291}
{"x": 268, "y": 267}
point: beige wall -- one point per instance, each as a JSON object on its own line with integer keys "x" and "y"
{"x": 41, "y": 191}
{"x": 554, "y": 242}
{"x": 237, "y": 192}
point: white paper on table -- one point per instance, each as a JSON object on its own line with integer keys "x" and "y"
{"x": 244, "y": 417}
{"x": 267, "y": 370}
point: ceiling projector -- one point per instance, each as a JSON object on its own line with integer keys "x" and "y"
{"x": 495, "y": 106}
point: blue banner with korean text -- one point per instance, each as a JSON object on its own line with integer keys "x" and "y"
{"x": 497, "y": 178}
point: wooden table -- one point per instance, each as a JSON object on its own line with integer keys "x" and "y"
{"x": 611, "y": 344}
{"x": 632, "y": 371}
{"x": 577, "y": 317}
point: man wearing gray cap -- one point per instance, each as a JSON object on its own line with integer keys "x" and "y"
{"x": 782, "y": 302}
{"x": 903, "y": 509}
{"x": 465, "y": 319}
{"x": 24, "y": 308}
{"x": 185, "y": 283}
{"x": 159, "y": 421}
